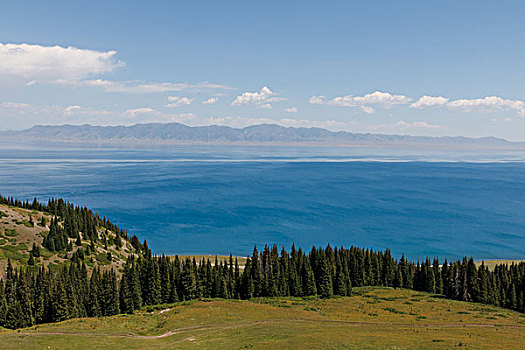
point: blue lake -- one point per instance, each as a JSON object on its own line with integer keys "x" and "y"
{"x": 208, "y": 200}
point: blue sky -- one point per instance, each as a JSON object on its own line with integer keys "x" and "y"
{"x": 343, "y": 65}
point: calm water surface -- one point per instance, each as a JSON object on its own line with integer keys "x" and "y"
{"x": 197, "y": 199}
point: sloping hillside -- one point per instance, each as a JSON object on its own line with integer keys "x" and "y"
{"x": 21, "y": 229}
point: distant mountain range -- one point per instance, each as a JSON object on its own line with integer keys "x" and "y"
{"x": 173, "y": 133}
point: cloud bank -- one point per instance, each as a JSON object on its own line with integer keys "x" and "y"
{"x": 210, "y": 101}
{"x": 262, "y": 98}
{"x": 487, "y": 104}
{"x": 23, "y": 115}
{"x": 176, "y": 101}
{"x": 138, "y": 86}
{"x": 74, "y": 67}
{"x": 366, "y": 103}
{"x": 51, "y": 63}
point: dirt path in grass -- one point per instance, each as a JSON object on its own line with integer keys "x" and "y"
{"x": 218, "y": 327}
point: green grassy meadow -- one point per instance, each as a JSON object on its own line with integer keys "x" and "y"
{"x": 373, "y": 318}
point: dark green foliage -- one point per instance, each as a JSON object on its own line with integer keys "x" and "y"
{"x": 325, "y": 278}
{"x": 44, "y": 296}
{"x": 68, "y": 221}
{"x": 36, "y": 251}
{"x": 3, "y": 304}
{"x": 78, "y": 255}
{"x": 27, "y": 299}
{"x": 31, "y": 260}
{"x": 56, "y": 239}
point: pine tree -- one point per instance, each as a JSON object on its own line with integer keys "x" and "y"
{"x": 3, "y": 304}
{"x": 256, "y": 276}
{"x": 388, "y": 272}
{"x": 483, "y": 284}
{"x": 35, "y": 250}
{"x": 398, "y": 278}
{"x": 14, "y": 316}
{"x": 437, "y": 277}
{"x": 309, "y": 287}
{"x": 189, "y": 283}
{"x": 325, "y": 279}
{"x": 78, "y": 241}
{"x": 173, "y": 297}
{"x": 247, "y": 282}
{"x": 521, "y": 302}
{"x": 165, "y": 283}
{"x": 513, "y": 299}
{"x": 150, "y": 282}
{"x": 429, "y": 278}
{"x": 60, "y": 307}
{"x": 23, "y": 296}
{"x": 125, "y": 295}
{"x": 31, "y": 260}
{"x": 134, "y": 285}
{"x": 340, "y": 280}
{"x": 94, "y": 308}
{"x": 237, "y": 278}
{"x": 472, "y": 281}
{"x": 110, "y": 300}
{"x": 39, "y": 302}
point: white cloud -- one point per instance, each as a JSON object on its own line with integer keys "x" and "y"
{"x": 261, "y": 98}
{"x": 14, "y": 105}
{"x": 49, "y": 63}
{"x": 266, "y": 106}
{"x": 79, "y": 110}
{"x": 317, "y": 100}
{"x": 429, "y": 101}
{"x": 16, "y": 115}
{"x": 138, "y": 86}
{"x": 176, "y": 101}
{"x": 22, "y": 115}
{"x": 368, "y": 109}
{"x": 487, "y": 104}
{"x": 418, "y": 125}
{"x": 73, "y": 67}
{"x": 146, "y": 114}
{"x": 210, "y": 101}
{"x": 377, "y": 98}
{"x": 136, "y": 112}
{"x": 291, "y": 110}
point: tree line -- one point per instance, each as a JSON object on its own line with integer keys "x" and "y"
{"x": 31, "y": 296}
{"x": 70, "y": 221}
{"x": 28, "y": 298}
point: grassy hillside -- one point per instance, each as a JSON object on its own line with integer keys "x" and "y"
{"x": 17, "y": 236}
{"x": 373, "y": 318}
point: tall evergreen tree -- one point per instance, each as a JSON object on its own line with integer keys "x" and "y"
{"x": 325, "y": 278}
